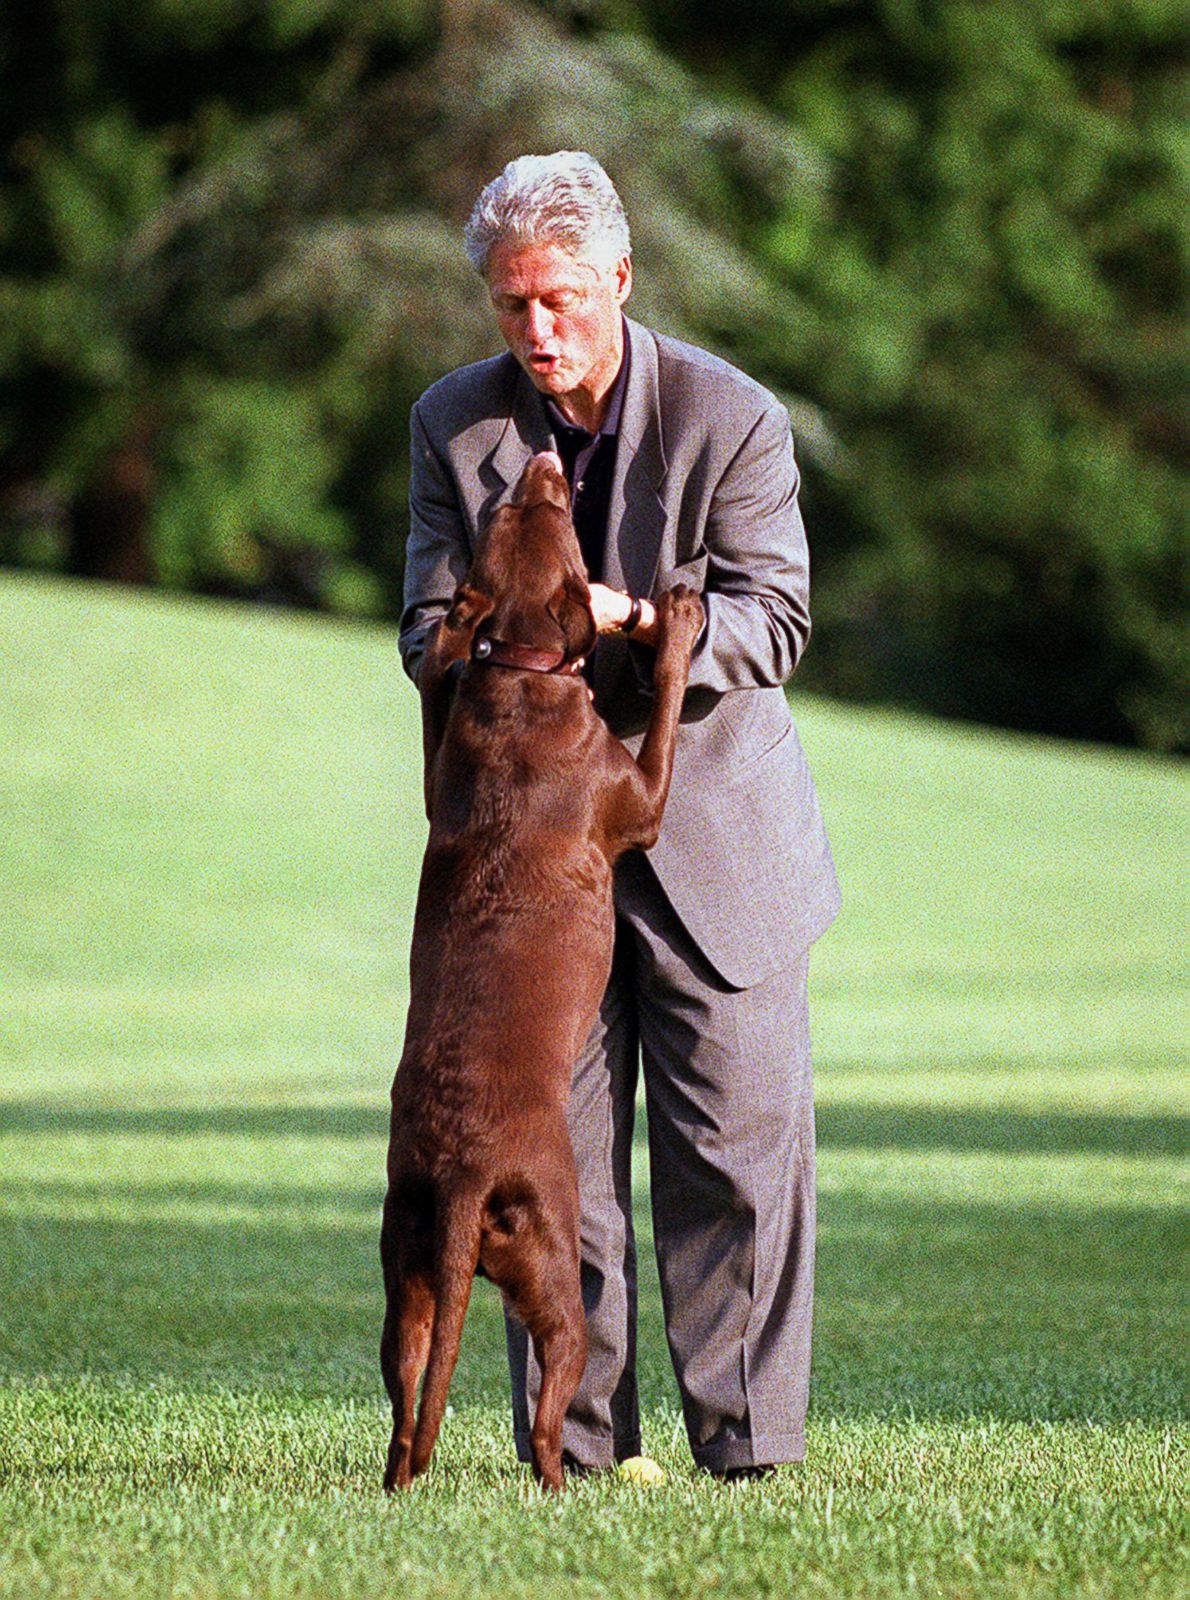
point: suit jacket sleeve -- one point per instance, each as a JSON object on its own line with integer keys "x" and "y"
{"x": 757, "y": 589}
{"x": 437, "y": 555}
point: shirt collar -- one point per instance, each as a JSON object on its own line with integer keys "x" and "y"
{"x": 615, "y": 405}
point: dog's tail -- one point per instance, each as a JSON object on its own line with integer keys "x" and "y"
{"x": 456, "y": 1254}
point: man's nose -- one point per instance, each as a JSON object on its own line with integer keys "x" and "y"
{"x": 539, "y": 322}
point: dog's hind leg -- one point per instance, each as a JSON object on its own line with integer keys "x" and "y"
{"x": 560, "y": 1345}
{"x": 404, "y": 1351}
{"x": 542, "y": 1279}
{"x": 406, "y": 1254}
{"x": 531, "y": 1251}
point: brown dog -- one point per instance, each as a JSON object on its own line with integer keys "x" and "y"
{"x": 530, "y": 800}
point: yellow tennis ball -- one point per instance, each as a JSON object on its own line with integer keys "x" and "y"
{"x": 640, "y": 1469}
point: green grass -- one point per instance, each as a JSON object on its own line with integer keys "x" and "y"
{"x": 210, "y": 839}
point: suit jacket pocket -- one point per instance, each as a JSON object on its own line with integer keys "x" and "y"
{"x": 768, "y": 732}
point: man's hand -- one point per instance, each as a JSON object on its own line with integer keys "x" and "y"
{"x": 611, "y": 610}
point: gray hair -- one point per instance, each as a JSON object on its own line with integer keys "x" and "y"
{"x": 565, "y": 199}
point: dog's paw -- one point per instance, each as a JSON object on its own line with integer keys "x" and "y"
{"x": 679, "y": 615}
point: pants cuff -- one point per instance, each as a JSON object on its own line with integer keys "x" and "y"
{"x": 593, "y": 1452}
{"x": 764, "y": 1450}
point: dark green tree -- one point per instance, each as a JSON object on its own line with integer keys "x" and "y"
{"x": 991, "y": 294}
{"x": 948, "y": 235}
{"x": 133, "y": 443}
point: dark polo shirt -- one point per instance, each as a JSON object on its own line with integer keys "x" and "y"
{"x": 589, "y": 460}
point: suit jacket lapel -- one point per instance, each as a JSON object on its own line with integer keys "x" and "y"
{"x": 636, "y": 513}
{"x": 525, "y": 433}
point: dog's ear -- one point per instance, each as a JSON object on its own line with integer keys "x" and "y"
{"x": 571, "y": 610}
{"x": 469, "y": 607}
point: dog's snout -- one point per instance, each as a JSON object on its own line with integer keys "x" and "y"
{"x": 544, "y": 478}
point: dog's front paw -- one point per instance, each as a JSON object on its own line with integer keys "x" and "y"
{"x": 679, "y": 617}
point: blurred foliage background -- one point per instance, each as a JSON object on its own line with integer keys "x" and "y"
{"x": 947, "y": 232}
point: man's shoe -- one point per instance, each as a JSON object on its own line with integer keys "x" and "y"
{"x": 744, "y": 1474}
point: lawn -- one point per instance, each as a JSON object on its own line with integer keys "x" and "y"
{"x": 211, "y": 835}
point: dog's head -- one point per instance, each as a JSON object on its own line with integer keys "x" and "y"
{"x": 529, "y": 570}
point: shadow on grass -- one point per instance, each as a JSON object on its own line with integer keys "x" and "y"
{"x": 926, "y": 1309}
{"x": 840, "y": 1126}
{"x": 273, "y": 1303}
{"x": 283, "y": 1121}
{"x": 843, "y": 1126}
{"x": 294, "y": 1198}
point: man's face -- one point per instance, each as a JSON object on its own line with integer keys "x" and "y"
{"x": 560, "y": 316}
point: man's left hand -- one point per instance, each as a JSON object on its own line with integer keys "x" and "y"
{"x": 612, "y": 608}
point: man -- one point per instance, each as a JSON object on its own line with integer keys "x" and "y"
{"x": 681, "y": 470}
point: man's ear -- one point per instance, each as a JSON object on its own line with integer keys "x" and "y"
{"x": 571, "y": 610}
{"x": 469, "y": 607}
{"x": 622, "y": 279}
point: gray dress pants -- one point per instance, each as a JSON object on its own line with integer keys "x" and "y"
{"x": 731, "y": 1159}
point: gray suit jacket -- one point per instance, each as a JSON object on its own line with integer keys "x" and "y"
{"x": 704, "y": 493}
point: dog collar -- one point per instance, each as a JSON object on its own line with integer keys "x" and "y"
{"x": 502, "y": 653}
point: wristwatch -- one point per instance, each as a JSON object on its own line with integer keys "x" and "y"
{"x": 632, "y": 621}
